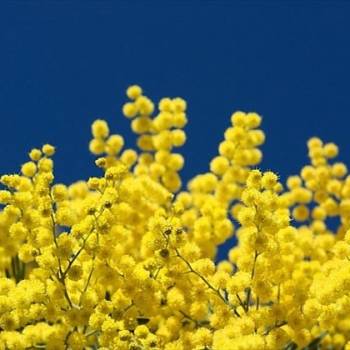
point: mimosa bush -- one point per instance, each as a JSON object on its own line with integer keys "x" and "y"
{"x": 127, "y": 260}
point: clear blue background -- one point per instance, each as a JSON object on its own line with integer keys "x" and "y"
{"x": 65, "y": 63}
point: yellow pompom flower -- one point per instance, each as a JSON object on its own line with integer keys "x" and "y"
{"x": 133, "y": 92}
{"x": 100, "y": 129}
{"x": 35, "y": 154}
{"x": 178, "y": 137}
{"x": 48, "y": 150}
{"x": 269, "y": 180}
{"x": 29, "y": 169}
{"x": 130, "y": 110}
{"x": 114, "y": 144}
{"x": 97, "y": 146}
{"x": 219, "y": 165}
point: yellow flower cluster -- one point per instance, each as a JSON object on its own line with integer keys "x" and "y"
{"x": 126, "y": 261}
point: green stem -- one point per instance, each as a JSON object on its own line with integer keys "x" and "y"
{"x": 216, "y": 291}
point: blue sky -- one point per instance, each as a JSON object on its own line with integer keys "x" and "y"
{"x": 65, "y": 63}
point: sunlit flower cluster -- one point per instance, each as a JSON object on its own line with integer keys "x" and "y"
{"x": 127, "y": 260}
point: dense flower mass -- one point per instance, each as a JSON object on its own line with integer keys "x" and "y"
{"x": 127, "y": 260}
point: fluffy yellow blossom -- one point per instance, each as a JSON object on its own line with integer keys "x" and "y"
{"x": 127, "y": 260}
{"x": 48, "y": 150}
